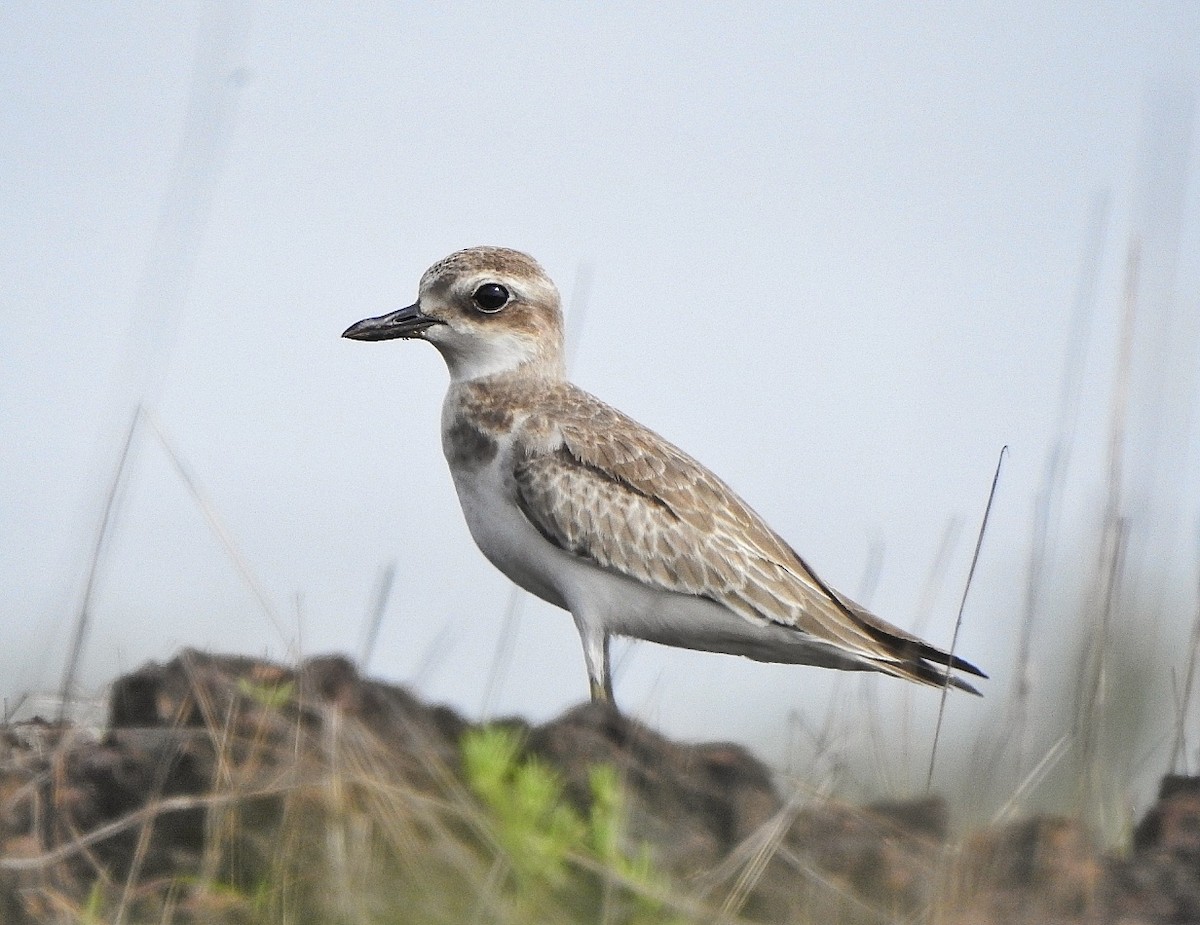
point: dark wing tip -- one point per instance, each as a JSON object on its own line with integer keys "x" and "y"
{"x": 953, "y": 662}
{"x": 923, "y": 672}
{"x": 959, "y": 684}
{"x": 961, "y": 664}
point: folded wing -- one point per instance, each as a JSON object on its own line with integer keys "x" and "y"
{"x": 618, "y": 495}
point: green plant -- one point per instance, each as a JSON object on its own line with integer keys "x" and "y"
{"x": 559, "y": 857}
{"x": 272, "y": 696}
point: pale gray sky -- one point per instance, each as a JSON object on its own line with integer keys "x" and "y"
{"x": 831, "y": 250}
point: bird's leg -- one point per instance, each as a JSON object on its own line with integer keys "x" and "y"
{"x": 595, "y": 655}
{"x": 602, "y": 691}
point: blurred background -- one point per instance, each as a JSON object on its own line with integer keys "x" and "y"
{"x": 840, "y": 253}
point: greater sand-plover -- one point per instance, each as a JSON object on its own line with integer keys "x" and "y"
{"x": 591, "y": 511}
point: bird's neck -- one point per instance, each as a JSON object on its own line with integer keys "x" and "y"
{"x": 506, "y": 358}
{"x": 504, "y": 391}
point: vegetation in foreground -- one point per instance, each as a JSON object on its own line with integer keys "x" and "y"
{"x": 229, "y": 790}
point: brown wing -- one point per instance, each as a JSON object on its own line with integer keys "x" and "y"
{"x": 615, "y": 493}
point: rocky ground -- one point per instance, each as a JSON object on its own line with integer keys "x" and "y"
{"x": 228, "y": 789}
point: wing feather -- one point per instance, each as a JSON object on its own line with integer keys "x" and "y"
{"x": 616, "y": 494}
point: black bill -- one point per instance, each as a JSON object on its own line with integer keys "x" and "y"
{"x": 407, "y": 322}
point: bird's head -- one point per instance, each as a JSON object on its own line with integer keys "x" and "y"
{"x": 487, "y": 309}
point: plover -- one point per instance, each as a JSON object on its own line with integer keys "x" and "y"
{"x": 589, "y": 510}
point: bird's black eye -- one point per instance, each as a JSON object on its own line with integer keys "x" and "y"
{"x": 490, "y": 297}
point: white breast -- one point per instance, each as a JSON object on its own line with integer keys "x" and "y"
{"x": 501, "y": 531}
{"x": 482, "y": 471}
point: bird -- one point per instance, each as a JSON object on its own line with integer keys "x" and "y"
{"x": 589, "y": 510}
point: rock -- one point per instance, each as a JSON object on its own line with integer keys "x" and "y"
{"x": 224, "y": 770}
{"x": 879, "y": 857}
{"x": 1160, "y": 881}
{"x": 694, "y": 803}
{"x": 1045, "y": 870}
